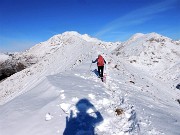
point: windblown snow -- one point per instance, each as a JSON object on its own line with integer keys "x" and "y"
{"x": 60, "y": 93}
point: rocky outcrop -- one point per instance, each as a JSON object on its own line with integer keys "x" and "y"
{"x": 14, "y": 64}
{"x": 7, "y": 69}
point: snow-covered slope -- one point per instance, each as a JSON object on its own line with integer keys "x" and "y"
{"x": 61, "y": 93}
{"x": 59, "y": 53}
{"x": 154, "y": 53}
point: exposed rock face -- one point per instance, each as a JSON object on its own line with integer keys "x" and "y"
{"x": 15, "y": 63}
{"x": 7, "y": 69}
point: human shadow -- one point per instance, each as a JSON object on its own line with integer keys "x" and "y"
{"x": 178, "y": 86}
{"x": 83, "y": 123}
{"x": 96, "y": 72}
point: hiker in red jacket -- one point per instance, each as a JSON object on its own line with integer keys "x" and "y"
{"x": 100, "y": 63}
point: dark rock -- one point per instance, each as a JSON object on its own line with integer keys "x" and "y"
{"x": 119, "y": 111}
{"x": 178, "y": 100}
{"x": 132, "y": 82}
{"x": 15, "y": 64}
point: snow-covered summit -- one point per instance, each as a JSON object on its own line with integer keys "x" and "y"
{"x": 67, "y": 34}
{"x": 43, "y": 48}
{"x": 147, "y": 46}
{"x": 136, "y": 36}
{"x": 151, "y": 52}
{"x": 86, "y": 37}
{"x": 141, "y": 36}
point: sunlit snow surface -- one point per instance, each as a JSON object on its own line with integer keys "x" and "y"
{"x": 62, "y": 91}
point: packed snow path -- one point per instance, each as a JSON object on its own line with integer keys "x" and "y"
{"x": 43, "y": 109}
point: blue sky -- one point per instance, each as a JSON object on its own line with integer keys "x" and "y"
{"x": 24, "y": 23}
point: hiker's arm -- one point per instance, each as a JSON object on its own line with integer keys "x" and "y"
{"x": 104, "y": 61}
{"x": 94, "y": 61}
{"x": 99, "y": 117}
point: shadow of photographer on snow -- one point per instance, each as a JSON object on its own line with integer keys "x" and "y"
{"x": 85, "y": 121}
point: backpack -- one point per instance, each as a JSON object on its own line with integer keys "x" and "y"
{"x": 100, "y": 61}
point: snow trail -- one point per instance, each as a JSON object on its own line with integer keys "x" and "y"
{"x": 125, "y": 123}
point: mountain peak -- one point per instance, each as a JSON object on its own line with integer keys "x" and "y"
{"x": 137, "y": 35}
{"x": 85, "y": 37}
{"x": 71, "y": 33}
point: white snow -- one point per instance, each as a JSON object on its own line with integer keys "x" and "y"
{"x": 65, "y": 107}
{"x": 61, "y": 92}
{"x": 48, "y": 117}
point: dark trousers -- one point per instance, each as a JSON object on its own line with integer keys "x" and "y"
{"x": 100, "y": 71}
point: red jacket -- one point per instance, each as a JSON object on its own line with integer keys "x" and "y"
{"x": 100, "y": 61}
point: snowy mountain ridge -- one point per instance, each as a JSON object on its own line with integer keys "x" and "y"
{"x": 59, "y": 53}
{"x": 42, "y": 98}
